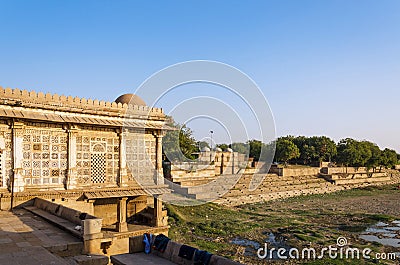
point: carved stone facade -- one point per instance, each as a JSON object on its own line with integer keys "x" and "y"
{"x": 63, "y": 148}
{"x": 48, "y": 142}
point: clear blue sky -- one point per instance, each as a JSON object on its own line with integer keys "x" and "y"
{"x": 326, "y": 67}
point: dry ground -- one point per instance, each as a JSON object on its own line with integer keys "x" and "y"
{"x": 314, "y": 220}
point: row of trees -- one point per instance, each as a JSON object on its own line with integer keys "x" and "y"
{"x": 348, "y": 152}
{"x": 180, "y": 144}
{"x": 312, "y": 150}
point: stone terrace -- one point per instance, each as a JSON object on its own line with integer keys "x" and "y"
{"x": 27, "y": 239}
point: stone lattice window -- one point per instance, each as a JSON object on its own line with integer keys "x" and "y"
{"x": 97, "y": 157}
{"x": 140, "y": 155}
{"x": 44, "y": 156}
{"x": 98, "y": 168}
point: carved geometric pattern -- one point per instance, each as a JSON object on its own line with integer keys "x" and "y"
{"x": 88, "y": 147}
{"x": 140, "y": 155}
{"x": 98, "y": 148}
{"x": 40, "y": 166}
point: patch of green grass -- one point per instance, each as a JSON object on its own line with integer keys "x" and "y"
{"x": 306, "y": 238}
{"x": 381, "y": 217}
{"x": 353, "y": 228}
{"x": 210, "y": 245}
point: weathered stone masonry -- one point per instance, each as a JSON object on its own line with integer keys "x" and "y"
{"x": 84, "y": 153}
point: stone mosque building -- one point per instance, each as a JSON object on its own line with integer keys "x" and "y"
{"x": 84, "y": 154}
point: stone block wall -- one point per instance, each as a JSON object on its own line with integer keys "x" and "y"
{"x": 107, "y": 210}
{"x": 282, "y": 171}
{"x": 338, "y": 170}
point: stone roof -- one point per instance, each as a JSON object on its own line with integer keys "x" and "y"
{"x": 54, "y": 102}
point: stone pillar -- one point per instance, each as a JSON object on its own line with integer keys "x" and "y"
{"x": 158, "y": 218}
{"x": 72, "y": 173}
{"x": 122, "y": 225}
{"x": 233, "y": 162}
{"x": 3, "y": 163}
{"x": 17, "y": 144}
{"x": 159, "y": 168}
{"x": 123, "y": 172}
{"x": 221, "y": 170}
{"x": 92, "y": 236}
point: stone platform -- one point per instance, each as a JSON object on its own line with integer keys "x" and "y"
{"x": 27, "y": 239}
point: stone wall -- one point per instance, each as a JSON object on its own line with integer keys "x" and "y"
{"x": 337, "y": 170}
{"x": 357, "y": 178}
{"x": 107, "y": 210}
{"x": 190, "y": 176}
{"x": 303, "y": 171}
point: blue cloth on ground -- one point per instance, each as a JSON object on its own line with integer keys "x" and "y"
{"x": 186, "y": 252}
{"x": 202, "y": 257}
{"x": 160, "y": 242}
{"x": 147, "y": 242}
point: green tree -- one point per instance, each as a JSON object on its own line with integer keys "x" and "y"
{"x": 389, "y": 158}
{"x": 325, "y": 148}
{"x": 201, "y": 144}
{"x": 286, "y": 150}
{"x": 354, "y": 153}
{"x": 240, "y": 148}
{"x": 179, "y": 144}
{"x": 255, "y": 149}
{"x": 223, "y": 146}
{"x": 313, "y": 149}
{"x": 376, "y": 158}
{"x": 347, "y": 152}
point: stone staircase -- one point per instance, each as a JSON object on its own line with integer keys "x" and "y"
{"x": 199, "y": 194}
{"x": 234, "y": 190}
{"x": 276, "y": 187}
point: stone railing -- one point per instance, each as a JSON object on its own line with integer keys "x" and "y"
{"x": 171, "y": 253}
{"x": 69, "y": 220}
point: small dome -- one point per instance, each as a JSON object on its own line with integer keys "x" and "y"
{"x": 229, "y": 150}
{"x": 205, "y": 149}
{"x": 131, "y": 99}
{"x": 218, "y": 149}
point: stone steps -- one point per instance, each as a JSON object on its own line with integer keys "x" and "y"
{"x": 276, "y": 189}
{"x": 245, "y": 178}
{"x": 234, "y": 189}
{"x": 279, "y": 184}
{"x": 251, "y": 198}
